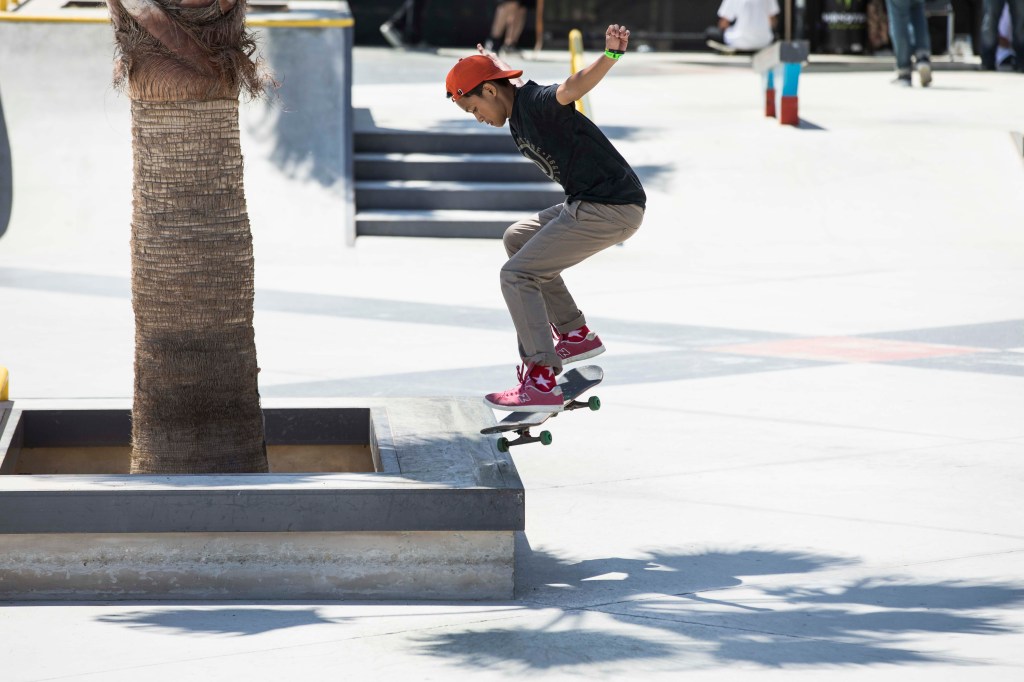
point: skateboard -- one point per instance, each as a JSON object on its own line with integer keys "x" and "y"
{"x": 720, "y": 47}
{"x": 573, "y": 383}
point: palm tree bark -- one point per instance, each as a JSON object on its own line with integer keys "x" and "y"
{"x": 196, "y": 403}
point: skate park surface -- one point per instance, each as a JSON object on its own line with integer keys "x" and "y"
{"x": 809, "y": 457}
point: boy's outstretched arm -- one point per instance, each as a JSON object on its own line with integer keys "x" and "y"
{"x": 583, "y": 81}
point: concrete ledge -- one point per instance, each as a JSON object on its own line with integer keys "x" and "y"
{"x": 474, "y": 565}
{"x": 438, "y": 522}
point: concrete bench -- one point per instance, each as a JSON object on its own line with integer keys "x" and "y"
{"x": 779, "y": 65}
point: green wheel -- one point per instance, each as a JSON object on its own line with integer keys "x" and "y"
{"x": 545, "y": 438}
{"x": 594, "y": 403}
{"x": 503, "y": 445}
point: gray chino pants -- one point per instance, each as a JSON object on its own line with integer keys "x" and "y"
{"x": 540, "y": 248}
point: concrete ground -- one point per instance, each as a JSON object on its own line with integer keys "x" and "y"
{"x": 810, "y": 458}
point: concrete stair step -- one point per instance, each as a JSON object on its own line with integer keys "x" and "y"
{"x": 418, "y": 142}
{"x": 445, "y": 223}
{"x": 467, "y": 167}
{"x": 476, "y": 196}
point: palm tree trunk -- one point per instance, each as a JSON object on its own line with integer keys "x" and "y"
{"x": 196, "y": 404}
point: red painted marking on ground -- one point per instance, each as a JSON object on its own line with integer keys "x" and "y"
{"x": 847, "y": 349}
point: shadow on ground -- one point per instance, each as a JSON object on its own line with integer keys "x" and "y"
{"x": 226, "y": 621}
{"x": 665, "y": 611}
{"x": 743, "y": 607}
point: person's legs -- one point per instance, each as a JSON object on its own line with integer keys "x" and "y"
{"x": 500, "y": 25}
{"x": 531, "y": 280}
{"x": 1017, "y": 32}
{"x": 414, "y": 22}
{"x": 899, "y": 32}
{"x": 575, "y": 342}
{"x": 399, "y": 16}
{"x": 396, "y": 29}
{"x": 516, "y": 25}
{"x": 990, "y": 11}
{"x": 922, "y": 42}
{"x": 561, "y": 308}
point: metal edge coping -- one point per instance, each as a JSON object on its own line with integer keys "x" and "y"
{"x": 385, "y": 454}
{"x": 8, "y": 415}
{"x": 254, "y": 511}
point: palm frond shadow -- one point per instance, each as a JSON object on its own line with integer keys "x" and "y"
{"x": 227, "y": 621}
{"x": 708, "y": 608}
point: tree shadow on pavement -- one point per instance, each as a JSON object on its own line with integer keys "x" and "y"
{"x": 227, "y": 621}
{"x": 695, "y": 610}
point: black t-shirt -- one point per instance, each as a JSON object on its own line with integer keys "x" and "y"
{"x": 570, "y": 149}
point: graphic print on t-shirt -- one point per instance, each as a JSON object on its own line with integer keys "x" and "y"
{"x": 534, "y": 153}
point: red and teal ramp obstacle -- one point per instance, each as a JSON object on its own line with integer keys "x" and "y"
{"x": 779, "y": 65}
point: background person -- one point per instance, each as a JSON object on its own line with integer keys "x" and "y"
{"x": 405, "y": 27}
{"x": 908, "y": 29}
{"x": 744, "y": 25}
{"x": 509, "y": 22}
{"x": 1006, "y": 56}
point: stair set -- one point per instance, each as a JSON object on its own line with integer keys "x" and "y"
{"x": 444, "y": 184}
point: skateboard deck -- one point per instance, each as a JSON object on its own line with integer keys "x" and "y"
{"x": 573, "y": 383}
{"x": 720, "y": 47}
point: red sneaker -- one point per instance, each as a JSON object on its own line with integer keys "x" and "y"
{"x": 537, "y": 392}
{"x": 579, "y": 344}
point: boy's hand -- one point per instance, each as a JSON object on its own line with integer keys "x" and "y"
{"x": 500, "y": 63}
{"x": 616, "y": 38}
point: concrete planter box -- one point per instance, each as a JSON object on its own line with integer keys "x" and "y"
{"x": 384, "y": 499}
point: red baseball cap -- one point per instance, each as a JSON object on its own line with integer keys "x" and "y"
{"x": 470, "y": 72}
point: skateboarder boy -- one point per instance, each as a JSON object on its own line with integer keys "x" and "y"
{"x": 604, "y": 206}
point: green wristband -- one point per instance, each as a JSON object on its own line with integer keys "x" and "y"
{"x": 613, "y": 54}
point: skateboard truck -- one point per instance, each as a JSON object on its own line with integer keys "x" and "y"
{"x": 593, "y": 403}
{"x": 524, "y": 437}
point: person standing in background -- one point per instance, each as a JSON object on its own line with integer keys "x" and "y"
{"x": 405, "y": 27}
{"x": 744, "y": 25}
{"x": 1005, "y": 54}
{"x": 991, "y": 10}
{"x": 507, "y": 27}
{"x": 908, "y": 28}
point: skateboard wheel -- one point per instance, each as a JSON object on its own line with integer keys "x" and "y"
{"x": 545, "y": 438}
{"x": 503, "y": 445}
{"x": 594, "y": 403}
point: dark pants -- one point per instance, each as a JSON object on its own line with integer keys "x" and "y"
{"x": 409, "y": 20}
{"x": 908, "y": 28}
{"x": 991, "y": 10}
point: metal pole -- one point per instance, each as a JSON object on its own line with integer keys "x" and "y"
{"x": 538, "y": 43}
{"x": 789, "y": 20}
{"x": 576, "y": 64}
